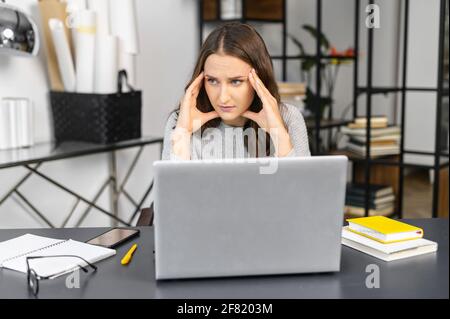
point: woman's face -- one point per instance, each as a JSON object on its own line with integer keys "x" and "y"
{"x": 228, "y": 87}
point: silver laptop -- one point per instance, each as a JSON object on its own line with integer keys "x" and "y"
{"x": 236, "y": 218}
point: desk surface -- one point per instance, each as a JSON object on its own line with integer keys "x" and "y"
{"x": 50, "y": 151}
{"x": 424, "y": 276}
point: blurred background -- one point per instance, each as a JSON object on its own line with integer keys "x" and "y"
{"x": 169, "y": 35}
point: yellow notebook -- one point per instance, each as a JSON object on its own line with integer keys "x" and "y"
{"x": 383, "y": 229}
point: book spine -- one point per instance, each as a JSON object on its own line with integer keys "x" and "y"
{"x": 360, "y": 204}
{"x": 360, "y": 191}
{"x": 375, "y": 199}
{"x": 372, "y": 195}
{"x": 378, "y": 207}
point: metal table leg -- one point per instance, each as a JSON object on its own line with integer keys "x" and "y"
{"x": 114, "y": 193}
{"x": 50, "y": 180}
{"x": 112, "y": 180}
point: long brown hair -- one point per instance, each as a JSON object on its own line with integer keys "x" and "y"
{"x": 244, "y": 42}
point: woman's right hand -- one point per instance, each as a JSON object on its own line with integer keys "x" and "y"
{"x": 190, "y": 117}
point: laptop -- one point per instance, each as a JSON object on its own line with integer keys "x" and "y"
{"x": 227, "y": 218}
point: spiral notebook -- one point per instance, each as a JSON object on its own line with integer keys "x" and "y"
{"x": 13, "y": 254}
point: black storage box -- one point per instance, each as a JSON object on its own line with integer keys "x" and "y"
{"x": 97, "y": 118}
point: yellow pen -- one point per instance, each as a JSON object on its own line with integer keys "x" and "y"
{"x": 127, "y": 258}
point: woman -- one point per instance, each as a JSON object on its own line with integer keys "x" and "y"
{"x": 231, "y": 107}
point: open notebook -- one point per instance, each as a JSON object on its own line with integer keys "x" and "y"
{"x": 13, "y": 254}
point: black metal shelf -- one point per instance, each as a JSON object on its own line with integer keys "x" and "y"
{"x": 316, "y": 124}
{"x": 325, "y": 124}
{"x": 384, "y": 160}
{"x": 440, "y": 160}
{"x": 384, "y": 90}
{"x": 443, "y": 154}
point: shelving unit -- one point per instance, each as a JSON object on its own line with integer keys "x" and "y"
{"x": 440, "y": 159}
{"x": 316, "y": 125}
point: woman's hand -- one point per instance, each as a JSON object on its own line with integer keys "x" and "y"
{"x": 269, "y": 118}
{"x": 190, "y": 117}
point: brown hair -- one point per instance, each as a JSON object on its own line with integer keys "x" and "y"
{"x": 244, "y": 42}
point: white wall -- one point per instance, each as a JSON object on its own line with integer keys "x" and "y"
{"x": 168, "y": 35}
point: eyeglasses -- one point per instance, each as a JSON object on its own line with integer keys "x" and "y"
{"x": 33, "y": 278}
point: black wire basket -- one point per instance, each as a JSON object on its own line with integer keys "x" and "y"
{"x": 97, "y": 118}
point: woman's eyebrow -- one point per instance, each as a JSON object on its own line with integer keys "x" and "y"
{"x": 232, "y": 78}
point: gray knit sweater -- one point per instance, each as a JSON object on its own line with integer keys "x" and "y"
{"x": 227, "y": 141}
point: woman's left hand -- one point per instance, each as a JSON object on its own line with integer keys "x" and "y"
{"x": 269, "y": 118}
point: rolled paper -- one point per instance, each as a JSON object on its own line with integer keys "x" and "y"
{"x": 85, "y": 24}
{"x": 124, "y": 24}
{"x": 73, "y": 6}
{"x": 106, "y": 64}
{"x": 52, "y": 9}
{"x": 63, "y": 54}
{"x": 127, "y": 62}
{"x": 101, "y": 9}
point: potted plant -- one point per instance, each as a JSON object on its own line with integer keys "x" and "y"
{"x": 329, "y": 70}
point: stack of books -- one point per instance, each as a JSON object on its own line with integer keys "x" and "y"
{"x": 384, "y": 139}
{"x": 291, "y": 89}
{"x": 381, "y": 200}
{"x": 385, "y": 238}
{"x": 293, "y": 93}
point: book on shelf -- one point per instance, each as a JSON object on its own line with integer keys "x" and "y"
{"x": 363, "y": 125}
{"x": 291, "y": 88}
{"x": 387, "y": 252}
{"x": 373, "y": 120}
{"x": 375, "y": 190}
{"x": 385, "y": 142}
{"x": 394, "y": 138}
{"x": 357, "y": 211}
{"x": 357, "y": 155}
{"x": 384, "y": 230}
{"x": 375, "y": 151}
{"x": 360, "y": 145}
{"x": 374, "y": 203}
{"x": 374, "y": 207}
{"x": 374, "y": 132}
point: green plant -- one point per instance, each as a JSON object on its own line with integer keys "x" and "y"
{"x": 329, "y": 69}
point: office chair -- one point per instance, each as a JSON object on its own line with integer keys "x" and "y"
{"x": 146, "y": 217}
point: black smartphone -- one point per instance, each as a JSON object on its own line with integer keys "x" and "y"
{"x": 114, "y": 237}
